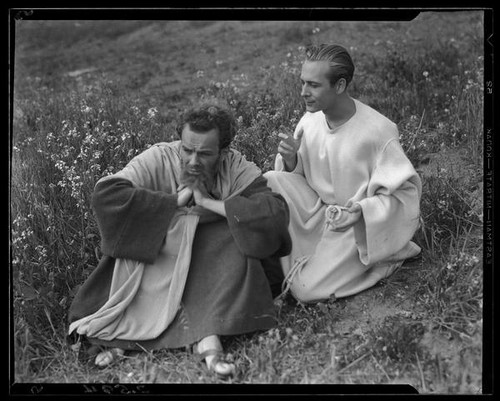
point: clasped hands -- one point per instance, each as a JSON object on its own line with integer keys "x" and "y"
{"x": 186, "y": 193}
{"x": 200, "y": 196}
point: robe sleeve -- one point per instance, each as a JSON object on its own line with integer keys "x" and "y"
{"x": 392, "y": 207}
{"x": 132, "y": 221}
{"x": 258, "y": 219}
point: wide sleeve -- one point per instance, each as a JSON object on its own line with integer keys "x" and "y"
{"x": 133, "y": 221}
{"x": 258, "y": 219}
{"x": 391, "y": 209}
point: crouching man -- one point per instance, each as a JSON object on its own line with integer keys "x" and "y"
{"x": 185, "y": 227}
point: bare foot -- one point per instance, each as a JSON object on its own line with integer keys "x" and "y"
{"x": 212, "y": 348}
{"x": 106, "y": 357}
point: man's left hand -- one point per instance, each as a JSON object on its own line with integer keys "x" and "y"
{"x": 202, "y": 199}
{"x": 350, "y": 217}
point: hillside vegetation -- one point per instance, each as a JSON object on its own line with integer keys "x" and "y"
{"x": 90, "y": 95}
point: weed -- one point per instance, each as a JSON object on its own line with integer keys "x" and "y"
{"x": 398, "y": 339}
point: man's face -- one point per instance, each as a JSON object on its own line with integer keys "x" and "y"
{"x": 316, "y": 89}
{"x": 200, "y": 155}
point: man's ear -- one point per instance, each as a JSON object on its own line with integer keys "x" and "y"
{"x": 340, "y": 86}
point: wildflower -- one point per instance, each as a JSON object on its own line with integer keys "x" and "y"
{"x": 425, "y": 74}
{"x": 200, "y": 74}
{"x": 152, "y": 112}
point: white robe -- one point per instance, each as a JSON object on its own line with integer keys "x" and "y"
{"x": 362, "y": 162}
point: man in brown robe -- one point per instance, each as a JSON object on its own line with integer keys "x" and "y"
{"x": 188, "y": 228}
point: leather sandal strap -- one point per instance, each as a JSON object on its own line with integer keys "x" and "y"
{"x": 209, "y": 352}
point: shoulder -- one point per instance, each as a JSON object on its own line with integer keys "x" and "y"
{"x": 161, "y": 150}
{"x": 377, "y": 127}
{"x": 237, "y": 159}
{"x": 374, "y": 117}
{"x": 173, "y": 146}
{"x": 157, "y": 154}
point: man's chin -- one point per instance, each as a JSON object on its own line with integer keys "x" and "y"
{"x": 312, "y": 108}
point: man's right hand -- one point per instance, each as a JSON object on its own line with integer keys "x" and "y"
{"x": 183, "y": 196}
{"x": 288, "y": 148}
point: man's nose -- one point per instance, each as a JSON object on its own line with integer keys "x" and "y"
{"x": 193, "y": 159}
{"x": 304, "y": 92}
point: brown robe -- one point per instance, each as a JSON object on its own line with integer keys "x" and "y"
{"x": 227, "y": 291}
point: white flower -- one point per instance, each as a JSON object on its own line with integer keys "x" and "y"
{"x": 425, "y": 74}
{"x": 152, "y": 112}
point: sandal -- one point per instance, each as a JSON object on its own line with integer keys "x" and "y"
{"x": 107, "y": 357}
{"x": 219, "y": 364}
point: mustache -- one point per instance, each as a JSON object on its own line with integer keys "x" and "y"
{"x": 194, "y": 177}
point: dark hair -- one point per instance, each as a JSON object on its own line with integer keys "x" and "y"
{"x": 205, "y": 118}
{"x": 341, "y": 65}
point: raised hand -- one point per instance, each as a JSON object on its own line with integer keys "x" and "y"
{"x": 288, "y": 148}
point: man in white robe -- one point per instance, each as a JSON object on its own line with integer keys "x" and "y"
{"x": 344, "y": 156}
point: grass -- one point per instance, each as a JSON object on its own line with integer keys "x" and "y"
{"x": 421, "y": 326}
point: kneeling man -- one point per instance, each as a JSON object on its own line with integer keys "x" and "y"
{"x": 354, "y": 196}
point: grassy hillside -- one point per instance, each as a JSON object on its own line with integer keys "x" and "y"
{"x": 89, "y": 95}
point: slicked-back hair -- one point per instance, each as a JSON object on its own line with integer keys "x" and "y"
{"x": 205, "y": 118}
{"x": 341, "y": 65}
